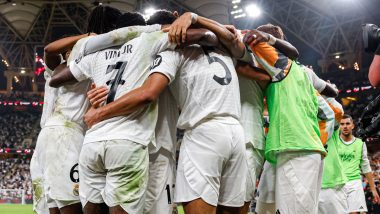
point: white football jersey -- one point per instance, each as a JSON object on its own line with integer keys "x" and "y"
{"x": 50, "y": 95}
{"x": 252, "y": 107}
{"x": 71, "y": 103}
{"x": 123, "y": 69}
{"x": 203, "y": 81}
{"x": 166, "y": 122}
{"x": 318, "y": 83}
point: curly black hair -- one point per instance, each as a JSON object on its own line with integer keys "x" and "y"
{"x": 161, "y": 17}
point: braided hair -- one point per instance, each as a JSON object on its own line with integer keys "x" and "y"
{"x": 103, "y": 19}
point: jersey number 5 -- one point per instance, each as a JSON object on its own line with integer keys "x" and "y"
{"x": 221, "y": 80}
{"x": 120, "y": 67}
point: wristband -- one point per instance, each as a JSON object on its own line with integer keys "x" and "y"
{"x": 272, "y": 40}
{"x": 377, "y": 52}
{"x": 194, "y": 18}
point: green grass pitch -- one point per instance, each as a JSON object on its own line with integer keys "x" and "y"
{"x": 16, "y": 209}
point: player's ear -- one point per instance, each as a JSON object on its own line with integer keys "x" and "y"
{"x": 175, "y": 13}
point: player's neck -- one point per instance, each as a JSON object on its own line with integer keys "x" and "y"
{"x": 347, "y": 138}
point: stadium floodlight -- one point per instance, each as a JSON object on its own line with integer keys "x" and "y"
{"x": 148, "y": 12}
{"x": 253, "y": 10}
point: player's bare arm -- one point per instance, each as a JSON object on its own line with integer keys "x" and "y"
{"x": 253, "y": 37}
{"x": 62, "y": 75}
{"x": 53, "y": 50}
{"x": 62, "y": 45}
{"x": 246, "y": 70}
{"x": 129, "y": 102}
{"x": 330, "y": 91}
{"x": 177, "y": 32}
{"x": 201, "y": 36}
{"x": 97, "y": 95}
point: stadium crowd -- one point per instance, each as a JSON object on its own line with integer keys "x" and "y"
{"x": 15, "y": 127}
{"x": 15, "y": 175}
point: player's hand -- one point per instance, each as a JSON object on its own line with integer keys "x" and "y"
{"x": 254, "y": 37}
{"x": 91, "y": 117}
{"x": 376, "y": 198}
{"x": 97, "y": 95}
{"x": 234, "y": 31}
{"x": 177, "y": 30}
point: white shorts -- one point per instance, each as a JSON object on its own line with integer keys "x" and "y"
{"x": 355, "y": 196}
{"x": 298, "y": 182}
{"x": 61, "y": 175}
{"x": 265, "y": 208}
{"x": 159, "y": 196}
{"x": 255, "y": 161}
{"x": 267, "y": 195}
{"x": 333, "y": 200}
{"x": 212, "y": 164}
{"x": 114, "y": 172}
{"x": 267, "y": 183}
{"x": 37, "y": 173}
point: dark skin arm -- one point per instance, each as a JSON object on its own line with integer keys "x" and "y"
{"x": 200, "y": 36}
{"x": 329, "y": 91}
{"x": 62, "y": 76}
{"x": 130, "y": 102}
{"x": 177, "y": 33}
{"x": 54, "y": 49}
{"x": 260, "y": 76}
{"x": 283, "y": 46}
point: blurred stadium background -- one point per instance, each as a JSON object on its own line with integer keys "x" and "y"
{"x": 327, "y": 34}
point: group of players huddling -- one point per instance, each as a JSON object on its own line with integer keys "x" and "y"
{"x": 115, "y": 96}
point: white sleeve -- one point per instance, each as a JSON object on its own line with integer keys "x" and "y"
{"x": 167, "y": 63}
{"x": 81, "y": 67}
{"x": 161, "y": 42}
{"x": 317, "y": 82}
{"x": 365, "y": 165}
{"x": 48, "y": 73}
{"x": 248, "y": 58}
{"x": 117, "y": 37}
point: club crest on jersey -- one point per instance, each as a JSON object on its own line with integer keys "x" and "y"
{"x": 157, "y": 61}
{"x": 76, "y": 190}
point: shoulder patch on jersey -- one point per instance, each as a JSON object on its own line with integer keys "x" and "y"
{"x": 77, "y": 60}
{"x": 157, "y": 61}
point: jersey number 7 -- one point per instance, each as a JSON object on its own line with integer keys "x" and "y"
{"x": 120, "y": 67}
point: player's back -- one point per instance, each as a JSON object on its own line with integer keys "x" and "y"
{"x": 206, "y": 86}
{"x": 50, "y": 96}
{"x": 252, "y": 108}
{"x": 123, "y": 69}
{"x": 71, "y": 102}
